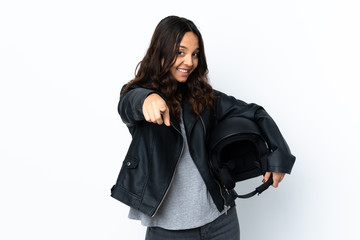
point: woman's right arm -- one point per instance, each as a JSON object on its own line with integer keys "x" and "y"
{"x": 138, "y": 104}
{"x": 131, "y": 103}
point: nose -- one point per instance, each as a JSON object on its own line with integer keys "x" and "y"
{"x": 188, "y": 61}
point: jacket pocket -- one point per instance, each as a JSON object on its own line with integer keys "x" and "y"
{"x": 130, "y": 163}
{"x": 132, "y": 176}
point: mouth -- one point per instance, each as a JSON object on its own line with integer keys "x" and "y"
{"x": 183, "y": 70}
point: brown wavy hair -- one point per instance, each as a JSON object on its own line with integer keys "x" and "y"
{"x": 153, "y": 72}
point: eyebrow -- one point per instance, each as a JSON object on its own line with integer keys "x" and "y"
{"x": 187, "y": 48}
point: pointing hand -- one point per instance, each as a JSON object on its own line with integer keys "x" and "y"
{"x": 155, "y": 110}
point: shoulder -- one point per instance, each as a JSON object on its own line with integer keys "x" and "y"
{"x": 225, "y": 99}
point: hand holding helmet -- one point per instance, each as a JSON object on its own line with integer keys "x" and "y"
{"x": 239, "y": 152}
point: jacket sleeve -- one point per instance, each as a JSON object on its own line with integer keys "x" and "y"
{"x": 280, "y": 158}
{"x": 130, "y": 104}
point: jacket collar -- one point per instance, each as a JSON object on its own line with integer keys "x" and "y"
{"x": 188, "y": 118}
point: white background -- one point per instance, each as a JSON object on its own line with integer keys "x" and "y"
{"x": 62, "y": 64}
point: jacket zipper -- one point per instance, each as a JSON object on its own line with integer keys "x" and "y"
{"x": 203, "y": 124}
{"x": 221, "y": 194}
{"x": 172, "y": 178}
{"x": 225, "y": 206}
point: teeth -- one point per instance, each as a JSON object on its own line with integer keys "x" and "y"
{"x": 182, "y": 70}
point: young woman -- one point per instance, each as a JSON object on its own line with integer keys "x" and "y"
{"x": 170, "y": 109}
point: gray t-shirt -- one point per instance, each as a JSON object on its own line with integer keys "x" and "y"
{"x": 187, "y": 204}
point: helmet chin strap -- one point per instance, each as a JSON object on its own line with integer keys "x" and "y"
{"x": 258, "y": 190}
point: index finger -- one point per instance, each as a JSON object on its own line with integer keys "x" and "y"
{"x": 166, "y": 116}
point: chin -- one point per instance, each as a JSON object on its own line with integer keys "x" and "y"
{"x": 181, "y": 80}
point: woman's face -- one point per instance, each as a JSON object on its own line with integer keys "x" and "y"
{"x": 187, "y": 59}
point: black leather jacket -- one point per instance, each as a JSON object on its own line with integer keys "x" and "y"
{"x": 153, "y": 155}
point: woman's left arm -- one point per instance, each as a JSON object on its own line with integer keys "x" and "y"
{"x": 280, "y": 159}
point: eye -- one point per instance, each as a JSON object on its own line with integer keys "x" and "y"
{"x": 195, "y": 54}
{"x": 181, "y": 53}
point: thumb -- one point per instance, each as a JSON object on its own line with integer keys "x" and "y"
{"x": 166, "y": 115}
{"x": 267, "y": 176}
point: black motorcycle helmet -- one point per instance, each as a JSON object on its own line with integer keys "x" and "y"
{"x": 238, "y": 152}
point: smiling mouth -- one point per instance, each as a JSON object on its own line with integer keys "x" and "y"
{"x": 183, "y": 70}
